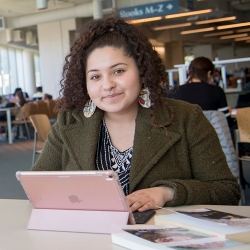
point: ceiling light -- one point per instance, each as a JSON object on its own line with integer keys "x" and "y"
{"x": 218, "y": 34}
{"x": 233, "y": 36}
{"x": 230, "y": 18}
{"x": 229, "y": 26}
{"x": 150, "y": 19}
{"x": 190, "y": 13}
{"x": 242, "y": 38}
{"x": 196, "y": 31}
{"x": 243, "y": 30}
{"x": 173, "y": 26}
{"x": 41, "y": 4}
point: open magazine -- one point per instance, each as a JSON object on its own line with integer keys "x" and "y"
{"x": 226, "y": 225}
{"x": 170, "y": 237}
{"x": 217, "y": 216}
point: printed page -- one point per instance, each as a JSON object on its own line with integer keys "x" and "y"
{"x": 179, "y": 238}
{"x": 217, "y": 216}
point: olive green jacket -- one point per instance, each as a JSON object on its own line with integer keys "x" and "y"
{"x": 189, "y": 158}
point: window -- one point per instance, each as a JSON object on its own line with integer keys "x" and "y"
{"x": 12, "y": 70}
{"x": 37, "y": 70}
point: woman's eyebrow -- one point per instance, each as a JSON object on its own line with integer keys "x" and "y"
{"x": 112, "y": 66}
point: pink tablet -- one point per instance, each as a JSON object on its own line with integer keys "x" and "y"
{"x": 78, "y": 190}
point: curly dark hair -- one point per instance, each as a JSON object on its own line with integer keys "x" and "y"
{"x": 116, "y": 32}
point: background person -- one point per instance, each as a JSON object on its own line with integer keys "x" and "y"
{"x": 20, "y": 102}
{"x": 20, "y": 98}
{"x": 4, "y": 103}
{"x": 216, "y": 78}
{"x": 199, "y": 90}
{"x": 39, "y": 94}
{"x": 47, "y": 97}
{"x": 160, "y": 148}
{"x": 12, "y": 97}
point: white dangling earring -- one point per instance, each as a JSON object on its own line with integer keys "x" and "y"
{"x": 89, "y": 108}
{"x": 144, "y": 98}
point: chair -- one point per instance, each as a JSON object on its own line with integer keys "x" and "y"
{"x": 29, "y": 108}
{"x": 42, "y": 127}
{"x": 21, "y": 120}
{"x": 42, "y": 107}
{"x": 242, "y": 136}
{"x": 51, "y": 104}
{"x": 219, "y": 122}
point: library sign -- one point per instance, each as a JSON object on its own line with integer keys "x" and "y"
{"x": 149, "y": 10}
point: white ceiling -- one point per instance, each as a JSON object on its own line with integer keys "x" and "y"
{"x": 14, "y": 8}
{"x": 240, "y": 8}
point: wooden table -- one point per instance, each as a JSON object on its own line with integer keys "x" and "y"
{"x": 14, "y": 218}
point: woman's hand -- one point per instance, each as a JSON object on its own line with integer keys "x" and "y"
{"x": 149, "y": 198}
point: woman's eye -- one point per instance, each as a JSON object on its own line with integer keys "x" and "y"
{"x": 95, "y": 77}
{"x": 119, "y": 71}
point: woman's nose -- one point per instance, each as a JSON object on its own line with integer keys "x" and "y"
{"x": 108, "y": 83}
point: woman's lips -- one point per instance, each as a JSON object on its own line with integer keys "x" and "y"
{"x": 112, "y": 96}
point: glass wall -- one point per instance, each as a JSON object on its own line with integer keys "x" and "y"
{"x": 12, "y": 70}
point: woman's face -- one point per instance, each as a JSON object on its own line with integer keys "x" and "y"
{"x": 113, "y": 81}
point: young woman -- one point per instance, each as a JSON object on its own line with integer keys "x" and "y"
{"x": 20, "y": 99}
{"x": 200, "y": 90}
{"x": 113, "y": 116}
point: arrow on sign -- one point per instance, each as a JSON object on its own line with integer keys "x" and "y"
{"x": 169, "y": 6}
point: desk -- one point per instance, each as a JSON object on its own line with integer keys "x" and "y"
{"x": 14, "y": 216}
{"x": 7, "y": 110}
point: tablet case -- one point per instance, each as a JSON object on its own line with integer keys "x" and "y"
{"x": 78, "y": 201}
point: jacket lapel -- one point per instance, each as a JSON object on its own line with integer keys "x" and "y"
{"x": 150, "y": 143}
{"x": 81, "y": 139}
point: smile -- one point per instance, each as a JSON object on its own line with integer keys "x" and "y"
{"x": 112, "y": 96}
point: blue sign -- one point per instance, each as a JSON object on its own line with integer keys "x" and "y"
{"x": 149, "y": 10}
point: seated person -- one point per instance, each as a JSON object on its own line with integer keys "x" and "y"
{"x": 12, "y": 97}
{"x": 39, "y": 94}
{"x": 47, "y": 97}
{"x": 246, "y": 86}
{"x": 4, "y": 103}
{"x": 20, "y": 99}
{"x": 216, "y": 78}
{"x": 20, "y": 102}
{"x": 232, "y": 82}
{"x": 199, "y": 90}
{"x": 247, "y": 75}
{"x": 113, "y": 116}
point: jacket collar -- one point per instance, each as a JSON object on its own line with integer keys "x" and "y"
{"x": 81, "y": 139}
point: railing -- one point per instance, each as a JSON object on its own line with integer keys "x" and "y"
{"x": 171, "y": 76}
